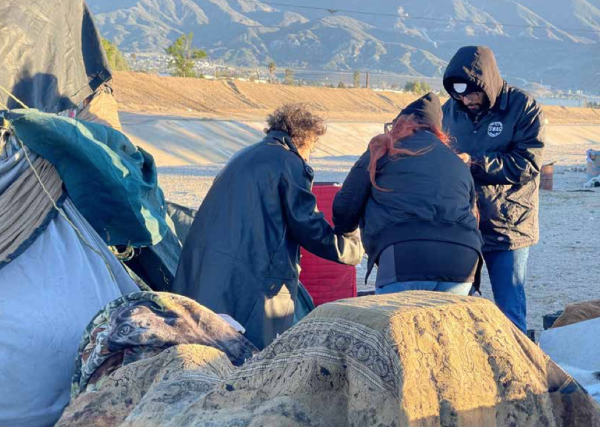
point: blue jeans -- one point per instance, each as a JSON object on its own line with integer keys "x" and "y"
{"x": 508, "y": 270}
{"x": 451, "y": 287}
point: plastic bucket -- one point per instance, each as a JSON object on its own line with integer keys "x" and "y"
{"x": 547, "y": 177}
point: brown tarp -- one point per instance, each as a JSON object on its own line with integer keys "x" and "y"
{"x": 578, "y": 312}
{"x": 102, "y": 109}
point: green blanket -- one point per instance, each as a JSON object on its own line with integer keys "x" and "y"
{"x": 112, "y": 182}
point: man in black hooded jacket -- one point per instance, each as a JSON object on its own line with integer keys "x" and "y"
{"x": 499, "y": 130}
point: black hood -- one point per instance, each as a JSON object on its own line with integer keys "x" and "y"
{"x": 475, "y": 65}
{"x": 427, "y": 109}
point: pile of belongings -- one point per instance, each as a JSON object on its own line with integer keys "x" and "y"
{"x": 408, "y": 359}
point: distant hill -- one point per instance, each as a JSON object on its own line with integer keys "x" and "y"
{"x": 252, "y": 33}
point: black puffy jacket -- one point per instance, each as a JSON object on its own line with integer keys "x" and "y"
{"x": 432, "y": 198}
{"x": 506, "y": 145}
{"x": 241, "y": 256}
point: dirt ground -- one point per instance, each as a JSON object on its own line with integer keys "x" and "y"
{"x": 563, "y": 267}
{"x": 147, "y": 93}
{"x": 190, "y": 147}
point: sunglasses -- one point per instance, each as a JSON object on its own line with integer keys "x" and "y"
{"x": 472, "y": 96}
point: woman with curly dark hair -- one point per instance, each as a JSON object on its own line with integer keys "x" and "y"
{"x": 242, "y": 254}
{"x": 414, "y": 200}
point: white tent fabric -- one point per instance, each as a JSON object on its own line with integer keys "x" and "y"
{"x": 576, "y": 349}
{"x": 48, "y": 295}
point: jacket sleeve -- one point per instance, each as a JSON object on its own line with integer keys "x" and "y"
{"x": 523, "y": 162}
{"x": 307, "y": 226}
{"x": 349, "y": 203}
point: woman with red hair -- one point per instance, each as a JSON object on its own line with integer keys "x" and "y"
{"x": 414, "y": 200}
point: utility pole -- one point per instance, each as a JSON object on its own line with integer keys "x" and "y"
{"x": 367, "y": 81}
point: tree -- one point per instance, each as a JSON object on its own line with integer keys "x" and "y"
{"x": 116, "y": 60}
{"x": 425, "y": 88}
{"x": 356, "y": 78}
{"x": 272, "y": 68}
{"x": 410, "y": 86}
{"x": 183, "y": 56}
{"x": 341, "y": 85}
{"x": 289, "y": 77}
{"x": 417, "y": 87}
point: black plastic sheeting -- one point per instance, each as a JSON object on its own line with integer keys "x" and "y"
{"x": 51, "y": 56}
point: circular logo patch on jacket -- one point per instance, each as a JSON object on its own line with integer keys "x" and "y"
{"x": 495, "y": 129}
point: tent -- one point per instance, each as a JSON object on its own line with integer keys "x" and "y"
{"x": 55, "y": 273}
{"x": 60, "y": 181}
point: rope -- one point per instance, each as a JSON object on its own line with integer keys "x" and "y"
{"x": 126, "y": 255}
{"x": 13, "y": 97}
{"x": 61, "y": 212}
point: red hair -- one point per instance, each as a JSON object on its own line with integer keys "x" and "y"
{"x": 385, "y": 144}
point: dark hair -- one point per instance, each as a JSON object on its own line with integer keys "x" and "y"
{"x": 297, "y": 121}
{"x": 385, "y": 144}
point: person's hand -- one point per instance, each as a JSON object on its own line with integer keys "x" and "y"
{"x": 465, "y": 158}
{"x": 354, "y": 236}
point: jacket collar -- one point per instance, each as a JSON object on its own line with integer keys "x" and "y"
{"x": 282, "y": 139}
{"x": 285, "y": 141}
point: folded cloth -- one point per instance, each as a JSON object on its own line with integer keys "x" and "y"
{"x": 25, "y": 208}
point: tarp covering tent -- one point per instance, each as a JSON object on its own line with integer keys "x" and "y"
{"x": 55, "y": 273}
{"x": 91, "y": 188}
{"x": 55, "y": 265}
{"x": 56, "y": 270}
{"x": 51, "y": 57}
{"x": 413, "y": 359}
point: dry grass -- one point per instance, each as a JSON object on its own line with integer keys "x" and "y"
{"x": 246, "y": 100}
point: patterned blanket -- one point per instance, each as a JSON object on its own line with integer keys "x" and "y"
{"x": 143, "y": 324}
{"x": 410, "y": 359}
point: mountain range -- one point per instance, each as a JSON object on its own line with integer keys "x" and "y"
{"x": 411, "y": 37}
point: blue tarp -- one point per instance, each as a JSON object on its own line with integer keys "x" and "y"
{"x": 110, "y": 181}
